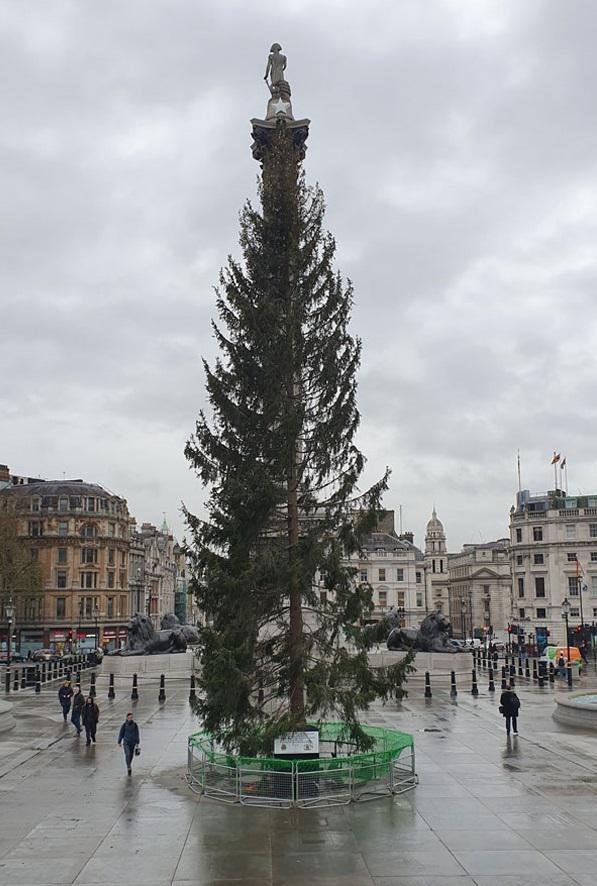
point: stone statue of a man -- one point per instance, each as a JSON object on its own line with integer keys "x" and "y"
{"x": 276, "y": 65}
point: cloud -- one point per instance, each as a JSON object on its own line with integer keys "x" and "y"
{"x": 456, "y": 145}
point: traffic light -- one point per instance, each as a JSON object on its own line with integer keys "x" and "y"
{"x": 70, "y": 634}
{"x": 509, "y": 628}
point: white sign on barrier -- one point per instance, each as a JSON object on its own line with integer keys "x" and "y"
{"x": 297, "y": 743}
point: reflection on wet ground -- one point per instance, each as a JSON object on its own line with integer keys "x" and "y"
{"x": 487, "y": 811}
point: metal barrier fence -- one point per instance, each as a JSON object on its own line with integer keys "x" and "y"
{"x": 326, "y": 781}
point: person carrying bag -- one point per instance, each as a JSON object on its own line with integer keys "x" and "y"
{"x": 509, "y": 707}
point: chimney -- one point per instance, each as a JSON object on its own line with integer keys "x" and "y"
{"x": 407, "y": 536}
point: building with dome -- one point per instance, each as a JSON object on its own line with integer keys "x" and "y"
{"x": 436, "y": 566}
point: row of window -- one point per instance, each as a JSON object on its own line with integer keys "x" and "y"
{"x": 383, "y": 574}
{"x": 64, "y": 503}
{"x": 382, "y": 597}
{"x": 574, "y": 585}
{"x": 89, "y": 607}
{"x": 569, "y": 531}
{"x": 90, "y": 580}
{"x": 88, "y": 556}
{"x": 89, "y": 530}
{"x": 541, "y": 612}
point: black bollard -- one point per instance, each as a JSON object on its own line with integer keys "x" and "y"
{"x": 520, "y": 672}
{"x": 535, "y": 669}
{"x": 541, "y": 681}
{"x": 192, "y": 694}
{"x": 474, "y": 688}
{"x": 552, "y": 672}
{"x": 15, "y": 685}
{"x": 504, "y": 681}
{"x": 135, "y": 692}
{"x": 23, "y": 678}
{"x": 491, "y": 686}
{"x": 111, "y": 693}
{"x": 569, "y": 676}
{"x": 162, "y": 694}
{"x": 512, "y": 681}
{"x": 527, "y": 671}
{"x": 92, "y": 691}
{"x": 453, "y": 690}
{"x": 427, "y": 684}
{"x": 37, "y": 680}
{"x": 7, "y": 680}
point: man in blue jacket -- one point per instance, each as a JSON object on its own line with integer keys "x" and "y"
{"x": 128, "y": 737}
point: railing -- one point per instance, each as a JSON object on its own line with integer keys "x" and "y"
{"x": 325, "y": 781}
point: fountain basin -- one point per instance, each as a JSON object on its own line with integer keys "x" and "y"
{"x": 577, "y": 709}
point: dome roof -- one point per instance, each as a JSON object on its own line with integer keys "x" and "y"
{"x": 435, "y": 524}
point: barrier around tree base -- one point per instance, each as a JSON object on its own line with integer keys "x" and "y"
{"x": 337, "y": 778}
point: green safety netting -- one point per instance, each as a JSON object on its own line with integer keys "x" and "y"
{"x": 389, "y": 744}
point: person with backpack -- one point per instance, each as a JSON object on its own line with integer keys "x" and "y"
{"x": 78, "y": 705}
{"x": 509, "y": 707}
{"x": 65, "y": 693}
{"x": 128, "y": 737}
{"x": 90, "y": 719}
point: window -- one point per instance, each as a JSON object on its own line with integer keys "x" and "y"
{"x": 61, "y": 578}
{"x": 594, "y": 585}
{"x": 62, "y": 555}
{"x": 419, "y": 599}
{"x": 519, "y": 560}
{"x": 441, "y": 565}
{"x": 90, "y": 503}
{"x": 537, "y": 533}
{"x": 382, "y": 575}
{"x": 570, "y": 531}
{"x": 88, "y": 555}
{"x": 521, "y": 587}
{"x": 34, "y": 554}
{"x": 519, "y": 535}
{"x": 592, "y": 530}
{"x": 594, "y": 613}
{"x": 433, "y": 566}
{"x": 521, "y": 613}
{"x": 400, "y": 600}
{"x": 538, "y": 559}
{"x": 63, "y": 504}
{"x": 383, "y": 598}
{"x": 60, "y": 607}
{"x": 74, "y": 502}
{"x": 323, "y": 597}
{"x": 122, "y": 577}
{"x": 110, "y": 607}
{"x": 418, "y": 578}
{"x": 123, "y": 605}
{"x": 111, "y": 530}
{"x": 35, "y": 528}
{"x": 400, "y": 575}
{"x": 486, "y": 589}
{"x": 63, "y": 528}
{"x": 539, "y": 586}
{"x": 123, "y": 559}
{"x": 111, "y": 579}
{"x": 89, "y": 579}
{"x": 89, "y": 530}
{"x": 111, "y": 560}
{"x": 541, "y": 613}
{"x": 572, "y": 586}
{"x": 574, "y": 613}
{"x": 594, "y": 556}
{"x": 571, "y": 557}
{"x": 35, "y": 503}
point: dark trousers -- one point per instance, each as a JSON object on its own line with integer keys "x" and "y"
{"x": 76, "y": 719}
{"x": 65, "y": 710}
{"x": 129, "y": 753}
{"x": 90, "y": 731}
{"x": 511, "y": 718}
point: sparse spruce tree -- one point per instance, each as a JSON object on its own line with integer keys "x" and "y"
{"x": 284, "y": 641}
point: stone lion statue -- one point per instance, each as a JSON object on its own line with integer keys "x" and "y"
{"x": 143, "y": 639}
{"x": 434, "y": 634}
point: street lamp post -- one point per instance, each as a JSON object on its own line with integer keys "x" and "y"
{"x": 565, "y": 615}
{"x": 463, "y": 617}
{"x": 96, "y": 615}
{"x": 10, "y": 611}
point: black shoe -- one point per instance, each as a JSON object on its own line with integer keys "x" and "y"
{"x": 87, "y": 743}
{"x": 129, "y": 771}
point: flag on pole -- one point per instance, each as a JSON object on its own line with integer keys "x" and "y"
{"x": 555, "y": 458}
{"x": 563, "y": 464}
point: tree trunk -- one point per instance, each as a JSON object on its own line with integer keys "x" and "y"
{"x": 297, "y": 693}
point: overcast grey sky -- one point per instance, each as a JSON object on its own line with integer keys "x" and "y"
{"x": 456, "y": 143}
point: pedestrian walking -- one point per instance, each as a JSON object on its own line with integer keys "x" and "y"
{"x": 128, "y": 738}
{"x": 65, "y": 693}
{"x": 78, "y": 703}
{"x": 90, "y": 719}
{"x": 562, "y": 665}
{"x": 509, "y": 707}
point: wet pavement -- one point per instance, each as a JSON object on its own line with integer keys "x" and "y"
{"x": 486, "y": 811}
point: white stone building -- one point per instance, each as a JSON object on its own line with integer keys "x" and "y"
{"x": 480, "y": 589}
{"x": 553, "y": 557}
{"x": 436, "y": 566}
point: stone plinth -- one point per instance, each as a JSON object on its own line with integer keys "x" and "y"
{"x": 434, "y": 662}
{"x": 181, "y": 664}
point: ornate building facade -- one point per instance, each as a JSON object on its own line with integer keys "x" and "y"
{"x": 436, "y": 566}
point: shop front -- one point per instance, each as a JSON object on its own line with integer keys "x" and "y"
{"x": 114, "y": 638}
{"x": 31, "y": 640}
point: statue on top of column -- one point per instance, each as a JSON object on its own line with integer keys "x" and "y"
{"x": 276, "y": 65}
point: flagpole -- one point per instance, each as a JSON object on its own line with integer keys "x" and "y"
{"x": 566, "y": 475}
{"x": 555, "y": 469}
{"x": 519, "y": 481}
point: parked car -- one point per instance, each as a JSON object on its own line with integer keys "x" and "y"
{"x": 14, "y": 656}
{"x": 45, "y": 655}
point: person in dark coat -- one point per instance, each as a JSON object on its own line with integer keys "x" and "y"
{"x": 78, "y": 705}
{"x": 128, "y": 738}
{"x": 90, "y": 719}
{"x": 65, "y": 693}
{"x": 509, "y": 707}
